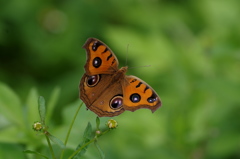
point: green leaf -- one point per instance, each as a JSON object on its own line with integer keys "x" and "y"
{"x": 42, "y": 109}
{"x": 34, "y": 152}
{"x": 86, "y": 138}
{"x": 32, "y": 105}
{"x": 88, "y": 132}
{"x": 10, "y": 105}
{"x": 99, "y": 150}
{"x": 97, "y": 122}
{"x": 52, "y": 102}
{"x": 56, "y": 141}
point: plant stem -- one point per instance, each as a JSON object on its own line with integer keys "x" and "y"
{"x": 78, "y": 150}
{"x": 104, "y": 132}
{"x": 50, "y": 146}
{"x": 89, "y": 142}
{"x": 70, "y": 128}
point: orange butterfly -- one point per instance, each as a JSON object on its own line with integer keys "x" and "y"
{"x": 106, "y": 90}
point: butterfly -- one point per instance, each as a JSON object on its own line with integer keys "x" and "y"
{"x": 106, "y": 90}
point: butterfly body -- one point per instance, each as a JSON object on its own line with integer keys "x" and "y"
{"x": 106, "y": 90}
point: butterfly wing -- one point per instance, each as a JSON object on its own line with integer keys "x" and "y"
{"x": 138, "y": 94}
{"x": 100, "y": 58}
{"x": 106, "y": 90}
{"x": 99, "y": 93}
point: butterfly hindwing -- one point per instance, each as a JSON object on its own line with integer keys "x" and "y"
{"x": 99, "y": 96}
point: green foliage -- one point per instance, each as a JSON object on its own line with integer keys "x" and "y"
{"x": 35, "y": 153}
{"x": 86, "y": 138}
{"x": 102, "y": 155}
{"x": 16, "y": 120}
{"x": 42, "y": 109}
{"x": 193, "y": 50}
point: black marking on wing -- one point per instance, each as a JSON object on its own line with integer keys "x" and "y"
{"x": 109, "y": 57}
{"x": 153, "y": 98}
{"x": 106, "y": 49}
{"x": 95, "y": 45}
{"x": 97, "y": 62}
{"x": 134, "y": 80}
{"x": 135, "y": 98}
{"x": 146, "y": 89}
{"x": 139, "y": 84}
{"x": 114, "y": 60}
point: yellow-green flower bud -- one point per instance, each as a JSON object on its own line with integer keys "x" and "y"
{"x": 37, "y": 126}
{"x": 112, "y": 124}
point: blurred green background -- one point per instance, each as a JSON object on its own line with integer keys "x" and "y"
{"x": 193, "y": 48}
